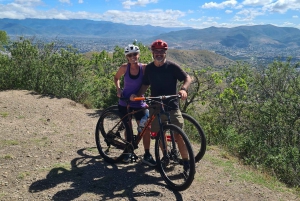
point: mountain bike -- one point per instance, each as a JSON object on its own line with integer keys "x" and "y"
{"x": 112, "y": 132}
{"x": 191, "y": 128}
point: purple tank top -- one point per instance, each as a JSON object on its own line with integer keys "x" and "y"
{"x": 132, "y": 85}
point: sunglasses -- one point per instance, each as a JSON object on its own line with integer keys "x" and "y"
{"x": 132, "y": 54}
{"x": 159, "y": 51}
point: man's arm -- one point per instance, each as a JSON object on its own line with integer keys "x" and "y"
{"x": 184, "y": 88}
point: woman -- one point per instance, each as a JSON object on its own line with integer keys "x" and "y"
{"x": 133, "y": 72}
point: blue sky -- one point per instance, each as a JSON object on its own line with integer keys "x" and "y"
{"x": 167, "y": 13}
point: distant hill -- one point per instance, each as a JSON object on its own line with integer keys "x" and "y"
{"x": 193, "y": 59}
{"x": 239, "y": 37}
{"x": 83, "y": 28}
{"x": 258, "y": 44}
{"x": 196, "y": 59}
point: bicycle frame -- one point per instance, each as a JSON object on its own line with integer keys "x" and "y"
{"x": 173, "y": 152}
{"x": 157, "y": 114}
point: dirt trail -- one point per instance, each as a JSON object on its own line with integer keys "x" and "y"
{"x": 47, "y": 152}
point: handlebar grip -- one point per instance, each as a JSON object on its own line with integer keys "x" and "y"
{"x": 139, "y": 98}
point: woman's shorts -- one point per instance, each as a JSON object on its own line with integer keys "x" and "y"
{"x": 138, "y": 116}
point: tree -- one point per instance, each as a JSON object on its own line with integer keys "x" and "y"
{"x": 4, "y": 39}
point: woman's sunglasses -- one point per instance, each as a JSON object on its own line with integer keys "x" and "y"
{"x": 132, "y": 54}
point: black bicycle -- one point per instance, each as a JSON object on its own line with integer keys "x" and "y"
{"x": 191, "y": 128}
{"x": 171, "y": 143}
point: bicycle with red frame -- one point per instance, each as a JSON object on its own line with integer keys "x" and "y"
{"x": 173, "y": 151}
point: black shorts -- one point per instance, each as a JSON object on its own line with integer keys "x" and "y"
{"x": 138, "y": 116}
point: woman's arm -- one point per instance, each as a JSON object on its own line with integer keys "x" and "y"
{"x": 121, "y": 71}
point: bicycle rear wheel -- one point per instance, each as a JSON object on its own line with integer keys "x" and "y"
{"x": 110, "y": 136}
{"x": 196, "y": 136}
{"x": 176, "y": 172}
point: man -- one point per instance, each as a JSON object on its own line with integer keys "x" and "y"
{"x": 162, "y": 75}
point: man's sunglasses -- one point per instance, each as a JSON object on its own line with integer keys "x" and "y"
{"x": 159, "y": 51}
{"x": 132, "y": 54}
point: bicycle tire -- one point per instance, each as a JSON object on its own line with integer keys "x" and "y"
{"x": 109, "y": 136}
{"x": 191, "y": 129}
{"x": 196, "y": 136}
{"x": 171, "y": 166}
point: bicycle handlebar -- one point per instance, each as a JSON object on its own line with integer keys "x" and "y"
{"x": 157, "y": 97}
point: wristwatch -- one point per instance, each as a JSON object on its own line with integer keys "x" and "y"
{"x": 183, "y": 88}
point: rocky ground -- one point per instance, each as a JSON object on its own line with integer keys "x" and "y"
{"x": 47, "y": 152}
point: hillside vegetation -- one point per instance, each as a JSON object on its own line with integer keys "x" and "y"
{"x": 198, "y": 59}
{"x": 251, "y": 112}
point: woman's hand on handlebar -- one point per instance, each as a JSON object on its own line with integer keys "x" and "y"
{"x": 132, "y": 97}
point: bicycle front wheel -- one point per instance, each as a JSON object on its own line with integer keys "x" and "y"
{"x": 196, "y": 136}
{"x": 177, "y": 168}
{"x": 110, "y": 136}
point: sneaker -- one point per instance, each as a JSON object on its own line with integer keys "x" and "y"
{"x": 149, "y": 160}
{"x": 126, "y": 158}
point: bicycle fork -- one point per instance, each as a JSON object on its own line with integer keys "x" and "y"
{"x": 173, "y": 152}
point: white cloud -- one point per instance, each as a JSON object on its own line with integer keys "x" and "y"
{"x": 247, "y": 15}
{"x": 228, "y": 11}
{"x": 18, "y": 11}
{"x": 156, "y": 17}
{"x": 28, "y": 2}
{"x": 295, "y": 16}
{"x": 289, "y": 24}
{"x": 282, "y": 6}
{"x": 128, "y": 3}
{"x": 209, "y": 19}
{"x": 195, "y": 20}
{"x": 80, "y": 1}
{"x": 65, "y": 1}
{"x": 224, "y": 4}
{"x": 256, "y": 2}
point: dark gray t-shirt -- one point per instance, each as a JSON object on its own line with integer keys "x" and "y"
{"x": 163, "y": 80}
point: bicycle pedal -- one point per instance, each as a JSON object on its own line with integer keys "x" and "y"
{"x": 134, "y": 158}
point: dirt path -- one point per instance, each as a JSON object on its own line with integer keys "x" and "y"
{"x": 47, "y": 152}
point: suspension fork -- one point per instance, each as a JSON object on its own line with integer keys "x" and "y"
{"x": 171, "y": 133}
{"x": 162, "y": 135}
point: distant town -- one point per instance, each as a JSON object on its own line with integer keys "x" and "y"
{"x": 254, "y": 55}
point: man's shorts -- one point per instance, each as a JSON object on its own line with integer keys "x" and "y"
{"x": 175, "y": 116}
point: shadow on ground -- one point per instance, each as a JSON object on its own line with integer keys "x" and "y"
{"x": 90, "y": 174}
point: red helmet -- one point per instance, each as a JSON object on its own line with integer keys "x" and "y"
{"x": 159, "y": 44}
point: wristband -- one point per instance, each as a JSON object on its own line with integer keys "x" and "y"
{"x": 183, "y": 88}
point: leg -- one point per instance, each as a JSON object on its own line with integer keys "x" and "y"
{"x": 147, "y": 159}
{"x": 177, "y": 119}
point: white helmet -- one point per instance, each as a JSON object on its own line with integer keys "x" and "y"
{"x": 131, "y": 49}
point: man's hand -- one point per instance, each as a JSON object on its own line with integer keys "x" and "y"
{"x": 183, "y": 94}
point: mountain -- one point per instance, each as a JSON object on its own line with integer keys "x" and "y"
{"x": 256, "y": 44}
{"x": 238, "y": 37}
{"x": 79, "y": 28}
{"x": 180, "y": 38}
